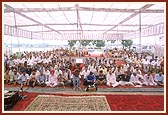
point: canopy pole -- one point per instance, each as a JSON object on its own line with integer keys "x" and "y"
{"x": 16, "y": 31}
{"x": 117, "y": 41}
{"x": 140, "y": 49}
{"x": 31, "y": 41}
{"x": 78, "y": 32}
{"x": 43, "y": 38}
{"x": 11, "y": 46}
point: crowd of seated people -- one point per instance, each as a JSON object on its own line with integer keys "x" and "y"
{"x": 48, "y": 69}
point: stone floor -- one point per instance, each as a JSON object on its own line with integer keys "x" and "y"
{"x": 152, "y": 91}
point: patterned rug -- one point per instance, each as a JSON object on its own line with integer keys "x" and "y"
{"x": 69, "y": 103}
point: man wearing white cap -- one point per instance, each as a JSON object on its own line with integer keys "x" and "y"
{"x": 135, "y": 79}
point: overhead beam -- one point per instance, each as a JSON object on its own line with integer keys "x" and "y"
{"x": 11, "y": 31}
{"x": 87, "y": 30}
{"x": 21, "y": 14}
{"x": 150, "y": 31}
{"x": 131, "y": 16}
{"x": 82, "y": 9}
{"x": 64, "y": 24}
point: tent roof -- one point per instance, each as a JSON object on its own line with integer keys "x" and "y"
{"x": 84, "y": 18}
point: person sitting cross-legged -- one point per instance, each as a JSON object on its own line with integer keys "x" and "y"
{"x": 33, "y": 79}
{"x": 148, "y": 79}
{"x": 63, "y": 79}
{"x": 101, "y": 79}
{"x": 22, "y": 79}
{"x": 91, "y": 81}
{"x": 111, "y": 79}
{"x": 53, "y": 80}
{"x": 41, "y": 79}
{"x": 159, "y": 78}
{"x": 15, "y": 76}
{"x": 135, "y": 79}
{"x": 125, "y": 79}
{"x": 7, "y": 76}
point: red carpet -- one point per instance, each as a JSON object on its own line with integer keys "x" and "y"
{"x": 116, "y": 102}
{"x": 22, "y": 104}
{"x": 136, "y": 102}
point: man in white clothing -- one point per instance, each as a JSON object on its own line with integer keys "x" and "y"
{"x": 148, "y": 79}
{"x": 137, "y": 70}
{"x": 93, "y": 68}
{"x": 47, "y": 73}
{"x": 111, "y": 79}
{"x": 135, "y": 79}
{"x": 154, "y": 63}
{"x": 146, "y": 64}
{"x": 58, "y": 72}
{"x": 53, "y": 81}
{"x": 85, "y": 72}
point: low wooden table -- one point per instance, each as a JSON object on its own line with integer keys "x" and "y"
{"x": 92, "y": 88}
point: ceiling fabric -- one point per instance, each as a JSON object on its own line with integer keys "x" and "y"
{"x": 76, "y": 21}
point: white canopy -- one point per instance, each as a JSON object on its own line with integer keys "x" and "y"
{"x": 106, "y": 20}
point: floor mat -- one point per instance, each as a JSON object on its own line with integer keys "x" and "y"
{"x": 70, "y": 103}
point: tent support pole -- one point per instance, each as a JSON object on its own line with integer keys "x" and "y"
{"x": 140, "y": 48}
